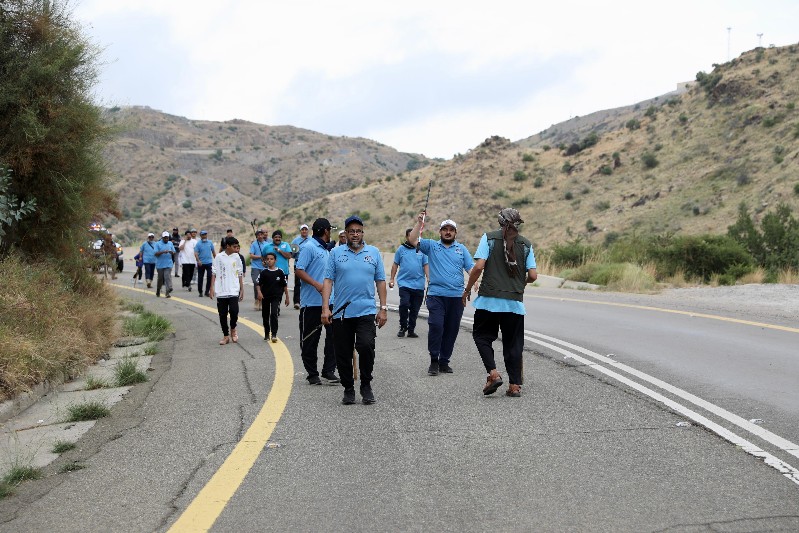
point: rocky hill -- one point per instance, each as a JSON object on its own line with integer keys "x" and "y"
{"x": 682, "y": 162}
{"x": 175, "y": 171}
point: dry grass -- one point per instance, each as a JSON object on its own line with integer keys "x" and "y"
{"x": 756, "y": 276}
{"x": 48, "y": 332}
{"x": 634, "y": 278}
{"x": 788, "y": 277}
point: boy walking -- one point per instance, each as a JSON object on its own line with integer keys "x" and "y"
{"x": 227, "y": 286}
{"x": 270, "y": 286}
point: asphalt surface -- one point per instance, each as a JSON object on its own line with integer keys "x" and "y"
{"x": 577, "y": 452}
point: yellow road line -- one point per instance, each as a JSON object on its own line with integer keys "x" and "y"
{"x": 673, "y": 311}
{"x": 206, "y": 507}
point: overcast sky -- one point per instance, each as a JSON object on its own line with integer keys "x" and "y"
{"x": 422, "y": 76}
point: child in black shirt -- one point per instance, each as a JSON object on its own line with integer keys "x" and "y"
{"x": 271, "y": 285}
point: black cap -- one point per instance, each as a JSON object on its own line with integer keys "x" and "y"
{"x": 353, "y": 218}
{"x": 321, "y": 224}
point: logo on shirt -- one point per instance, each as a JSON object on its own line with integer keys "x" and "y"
{"x": 369, "y": 259}
{"x": 342, "y": 259}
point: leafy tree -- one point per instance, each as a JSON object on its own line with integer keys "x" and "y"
{"x": 12, "y": 210}
{"x": 51, "y": 133}
{"x": 774, "y": 246}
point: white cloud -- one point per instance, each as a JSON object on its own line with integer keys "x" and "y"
{"x": 421, "y": 76}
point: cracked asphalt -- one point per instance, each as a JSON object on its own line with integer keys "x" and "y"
{"x": 574, "y": 453}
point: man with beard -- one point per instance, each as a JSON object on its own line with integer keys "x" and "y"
{"x": 354, "y": 271}
{"x": 282, "y": 251}
{"x": 507, "y": 263}
{"x": 448, "y": 259}
{"x": 413, "y": 270}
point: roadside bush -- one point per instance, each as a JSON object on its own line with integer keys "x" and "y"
{"x": 572, "y": 254}
{"x": 699, "y": 256}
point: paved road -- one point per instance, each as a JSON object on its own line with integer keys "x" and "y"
{"x": 580, "y": 451}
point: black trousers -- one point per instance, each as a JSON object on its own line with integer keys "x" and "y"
{"x": 204, "y": 271}
{"x": 310, "y": 318}
{"x": 410, "y": 302}
{"x": 269, "y": 312}
{"x": 355, "y": 334}
{"x": 188, "y": 273}
{"x": 228, "y": 305}
{"x": 485, "y": 332}
{"x": 296, "y": 295}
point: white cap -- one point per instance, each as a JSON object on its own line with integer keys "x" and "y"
{"x": 342, "y": 232}
{"x": 304, "y": 226}
{"x": 165, "y": 234}
{"x": 448, "y": 222}
{"x": 151, "y": 234}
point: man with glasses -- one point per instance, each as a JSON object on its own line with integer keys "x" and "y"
{"x": 354, "y": 271}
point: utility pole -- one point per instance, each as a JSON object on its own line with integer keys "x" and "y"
{"x": 729, "y": 31}
{"x": 759, "y": 40}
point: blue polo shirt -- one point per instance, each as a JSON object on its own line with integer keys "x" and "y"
{"x": 353, "y": 275}
{"x": 255, "y": 249}
{"x": 411, "y": 268}
{"x": 282, "y": 263}
{"x": 500, "y": 305}
{"x": 447, "y": 264}
{"x": 164, "y": 260}
{"x": 148, "y": 252}
{"x": 205, "y": 251}
{"x": 312, "y": 258}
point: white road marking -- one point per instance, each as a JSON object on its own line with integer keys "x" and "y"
{"x": 781, "y": 466}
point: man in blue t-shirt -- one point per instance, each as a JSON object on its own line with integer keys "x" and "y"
{"x": 310, "y": 268}
{"x": 507, "y": 262}
{"x": 282, "y": 251}
{"x": 147, "y": 251}
{"x": 299, "y": 241}
{"x": 164, "y": 252}
{"x": 413, "y": 270}
{"x": 204, "y": 253}
{"x": 448, "y": 259}
{"x": 354, "y": 271}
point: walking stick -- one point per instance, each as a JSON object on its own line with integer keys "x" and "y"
{"x": 354, "y": 365}
{"x": 317, "y": 328}
{"x": 424, "y": 216}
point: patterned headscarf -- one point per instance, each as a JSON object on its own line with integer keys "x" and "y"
{"x": 509, "y": 220}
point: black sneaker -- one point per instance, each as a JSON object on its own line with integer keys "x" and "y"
{"x": 412, "y": 335}
{"x": 444, "y": 368}
{"x": 433, "y": 370}
{"x": 401, "y": 332}
{"x": 367, "y": 396}
{"x": 330, "y": 377}
{"x": 314, "y": 380}
{"x": 349, "y": 396}
{"x": 157, "y": 294}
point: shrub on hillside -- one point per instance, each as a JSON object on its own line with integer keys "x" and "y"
{"x": 519, "y": 175}
{"x": 649, "y": 160}
{"x": 633, "y": 124}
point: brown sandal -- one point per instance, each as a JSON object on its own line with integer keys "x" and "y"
{"x": 234, "y": 336}
{"x": 224, "y": 340}
{"x": 493, "y": 383}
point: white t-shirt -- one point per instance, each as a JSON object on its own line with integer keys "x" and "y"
{"x": 187, "y": 253}
{"x": 228, "y": 271}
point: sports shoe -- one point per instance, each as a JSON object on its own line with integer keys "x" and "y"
{"x": 274, "y": 339}
{"x": 412, "y": 335}
{"x": 157, "y": 294}
{"x": 149, "y": 284}
{"x": 367, "y": 396}
{"x": 234, "y": 335}
{"x": 331, "y": 377}
{"x": 296, "y": 306}
{"x": 433, "y": 370}
{"x": 349, "y": 396}
{"x": 200, "y": 294}
{"x": 444, "y": 368}
{"x": 168, "y": 296}
{"x": 514, "y": 391}
{"x": 314, "y": 380}
{"x": 493, "y": 383}
{"x": 224, "y": 340}
{"x": 401, "y": 332}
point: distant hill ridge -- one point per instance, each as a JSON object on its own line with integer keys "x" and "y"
{"x": 676, "y": 163}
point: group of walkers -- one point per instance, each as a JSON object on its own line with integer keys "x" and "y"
{"x": 336, "y": 283}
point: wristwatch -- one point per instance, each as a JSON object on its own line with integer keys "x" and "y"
{"x": 384, "y": 307}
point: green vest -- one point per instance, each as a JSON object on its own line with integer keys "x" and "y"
{"x": 496, "y": 282}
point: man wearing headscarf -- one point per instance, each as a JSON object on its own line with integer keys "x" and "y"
{"x": 507, "y": 263}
